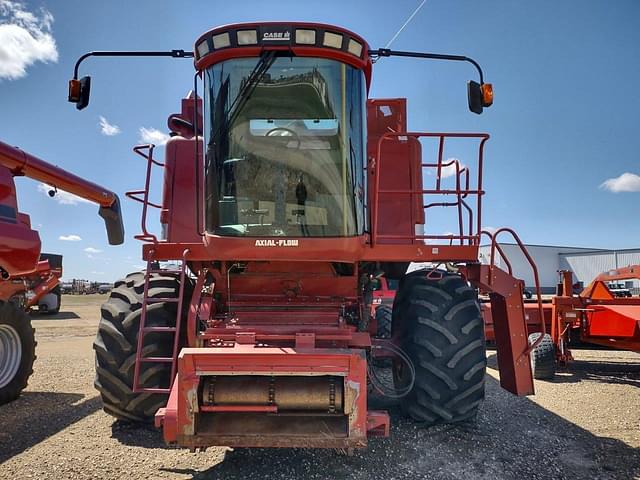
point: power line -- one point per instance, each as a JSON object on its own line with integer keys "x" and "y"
{"x": 405, "y": 24}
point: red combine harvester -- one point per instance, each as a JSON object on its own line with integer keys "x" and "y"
{"x": 28, "y": 277}
{"x": 287, "y": 195}
{"x": 594, "y": 316}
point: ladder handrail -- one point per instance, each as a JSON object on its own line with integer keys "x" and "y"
{"x": 145, "y": 236}
{"x": 136, "y": 387}
{"x": 494, "y": 246}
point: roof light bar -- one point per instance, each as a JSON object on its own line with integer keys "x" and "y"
{"x": 306, "y": 37}
{"x": 354, "y": 48}
{"x": 279, "y": 34}
{"x": 247, "y": 37}
{"x": 333, "y": 40}
{"x": 203, "y": 48}
{"x": 221, "y": 40}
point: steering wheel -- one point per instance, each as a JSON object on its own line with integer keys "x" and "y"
{"x": 288, "y": 133}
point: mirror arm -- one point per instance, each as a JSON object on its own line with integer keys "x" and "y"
{"x": 131, "y": 53}
{"x": 385, "y": 52}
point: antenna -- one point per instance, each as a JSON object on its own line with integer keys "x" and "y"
{"x": 405, "y": 24}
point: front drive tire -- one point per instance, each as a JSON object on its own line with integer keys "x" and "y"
{"x": 439, "y": 323}
{"x": 383, "y": 321}
{"x": 17, "y": 352}
{"x": 116, "y": 345}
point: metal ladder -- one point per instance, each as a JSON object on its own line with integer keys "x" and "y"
{"x": 144, "y": 329}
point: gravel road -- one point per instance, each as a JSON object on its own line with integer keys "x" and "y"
{"x": 586, "y": 424}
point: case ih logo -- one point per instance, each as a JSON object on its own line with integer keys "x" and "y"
{"x": 277, "y": 36}
{"x": 276, "y": 243}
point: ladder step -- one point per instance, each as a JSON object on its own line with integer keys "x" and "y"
{"x": 153, "y": 390}
{"x": 163, "y": 299}
{"x": 159, "y": 329}
{"x": 164, "y": 271}
{"x": 156, "y": 360}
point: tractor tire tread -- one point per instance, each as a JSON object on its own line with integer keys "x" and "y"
{"x": 117, "y": 342}
{"x": 436, "y": 314}
{"x": 18, "y": 319}
{"x": 543, "y": 357}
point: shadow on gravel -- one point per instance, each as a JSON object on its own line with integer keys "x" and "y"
{"x": 137, "y": 435}
{"x": 513, "y": 438}
{"x": 57, "y": 316}
{"x": 601, "y": 370}
{"x": 35, "y": 416}
{"x": 624, "y": 373}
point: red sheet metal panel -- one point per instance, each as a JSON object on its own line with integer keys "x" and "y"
{"x": 510, "y": 326}
{"x": 614, "y": 321}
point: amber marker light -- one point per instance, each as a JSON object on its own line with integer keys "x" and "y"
{"x": 487, "y": 94}
{"x": 74, "y": 90}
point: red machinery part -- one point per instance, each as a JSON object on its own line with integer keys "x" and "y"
{"x": 340, "y": 421}
{"x": 614, "y": 321}
{"x": 24, "y": 164}
{"x": 21, "y": 163}
{"x": 596, "y": 314}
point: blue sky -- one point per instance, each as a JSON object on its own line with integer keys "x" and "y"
{"x": 565, "y": 76}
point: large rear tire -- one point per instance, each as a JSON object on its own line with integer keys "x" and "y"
{"x": 17, "y": 351}
{"x": 117, "y": 342}
{"x": 439, "y": 323}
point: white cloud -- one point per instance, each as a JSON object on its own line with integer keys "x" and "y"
{"x": 152, "y": 135}
{"x": 449, "y": 170}
{"x": 627, "y": 182}
{"x": 70, "y": 238}
{"x": 92, "y": 250}
{"x": 97, "y": 273}
{"x": 25, "y": 38}
{"x": 62, "y": 197}
{"x": 108, "y": 129}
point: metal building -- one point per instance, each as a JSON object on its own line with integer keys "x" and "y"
{"x": 585, "y": 263}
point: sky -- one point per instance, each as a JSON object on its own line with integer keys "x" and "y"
{"x": 562, "y": 166}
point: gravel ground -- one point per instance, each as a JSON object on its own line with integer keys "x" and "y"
{"x": 586, "y": 424}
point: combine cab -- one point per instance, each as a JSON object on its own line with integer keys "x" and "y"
{"x": 288, "y": 196}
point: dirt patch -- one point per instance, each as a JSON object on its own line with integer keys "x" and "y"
{"x": 586, "y": 424}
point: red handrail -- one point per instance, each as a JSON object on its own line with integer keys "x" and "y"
{"x": 462, "y": 189}
{"x": 142, "y": 196}
{"x": 495, "y": 246}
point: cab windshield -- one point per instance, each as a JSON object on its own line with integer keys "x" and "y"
{"x": 284, "y": 147}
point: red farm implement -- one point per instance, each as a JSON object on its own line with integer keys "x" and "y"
{"x": 595, "y": 316}
{"x": 279, "y": 217}
{"x": 27, "y": 277}
{"x": 40, "y": 288}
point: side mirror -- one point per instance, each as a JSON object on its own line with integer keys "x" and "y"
{"x": 79, "y": 91}
{"x": 479, "y": 96}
